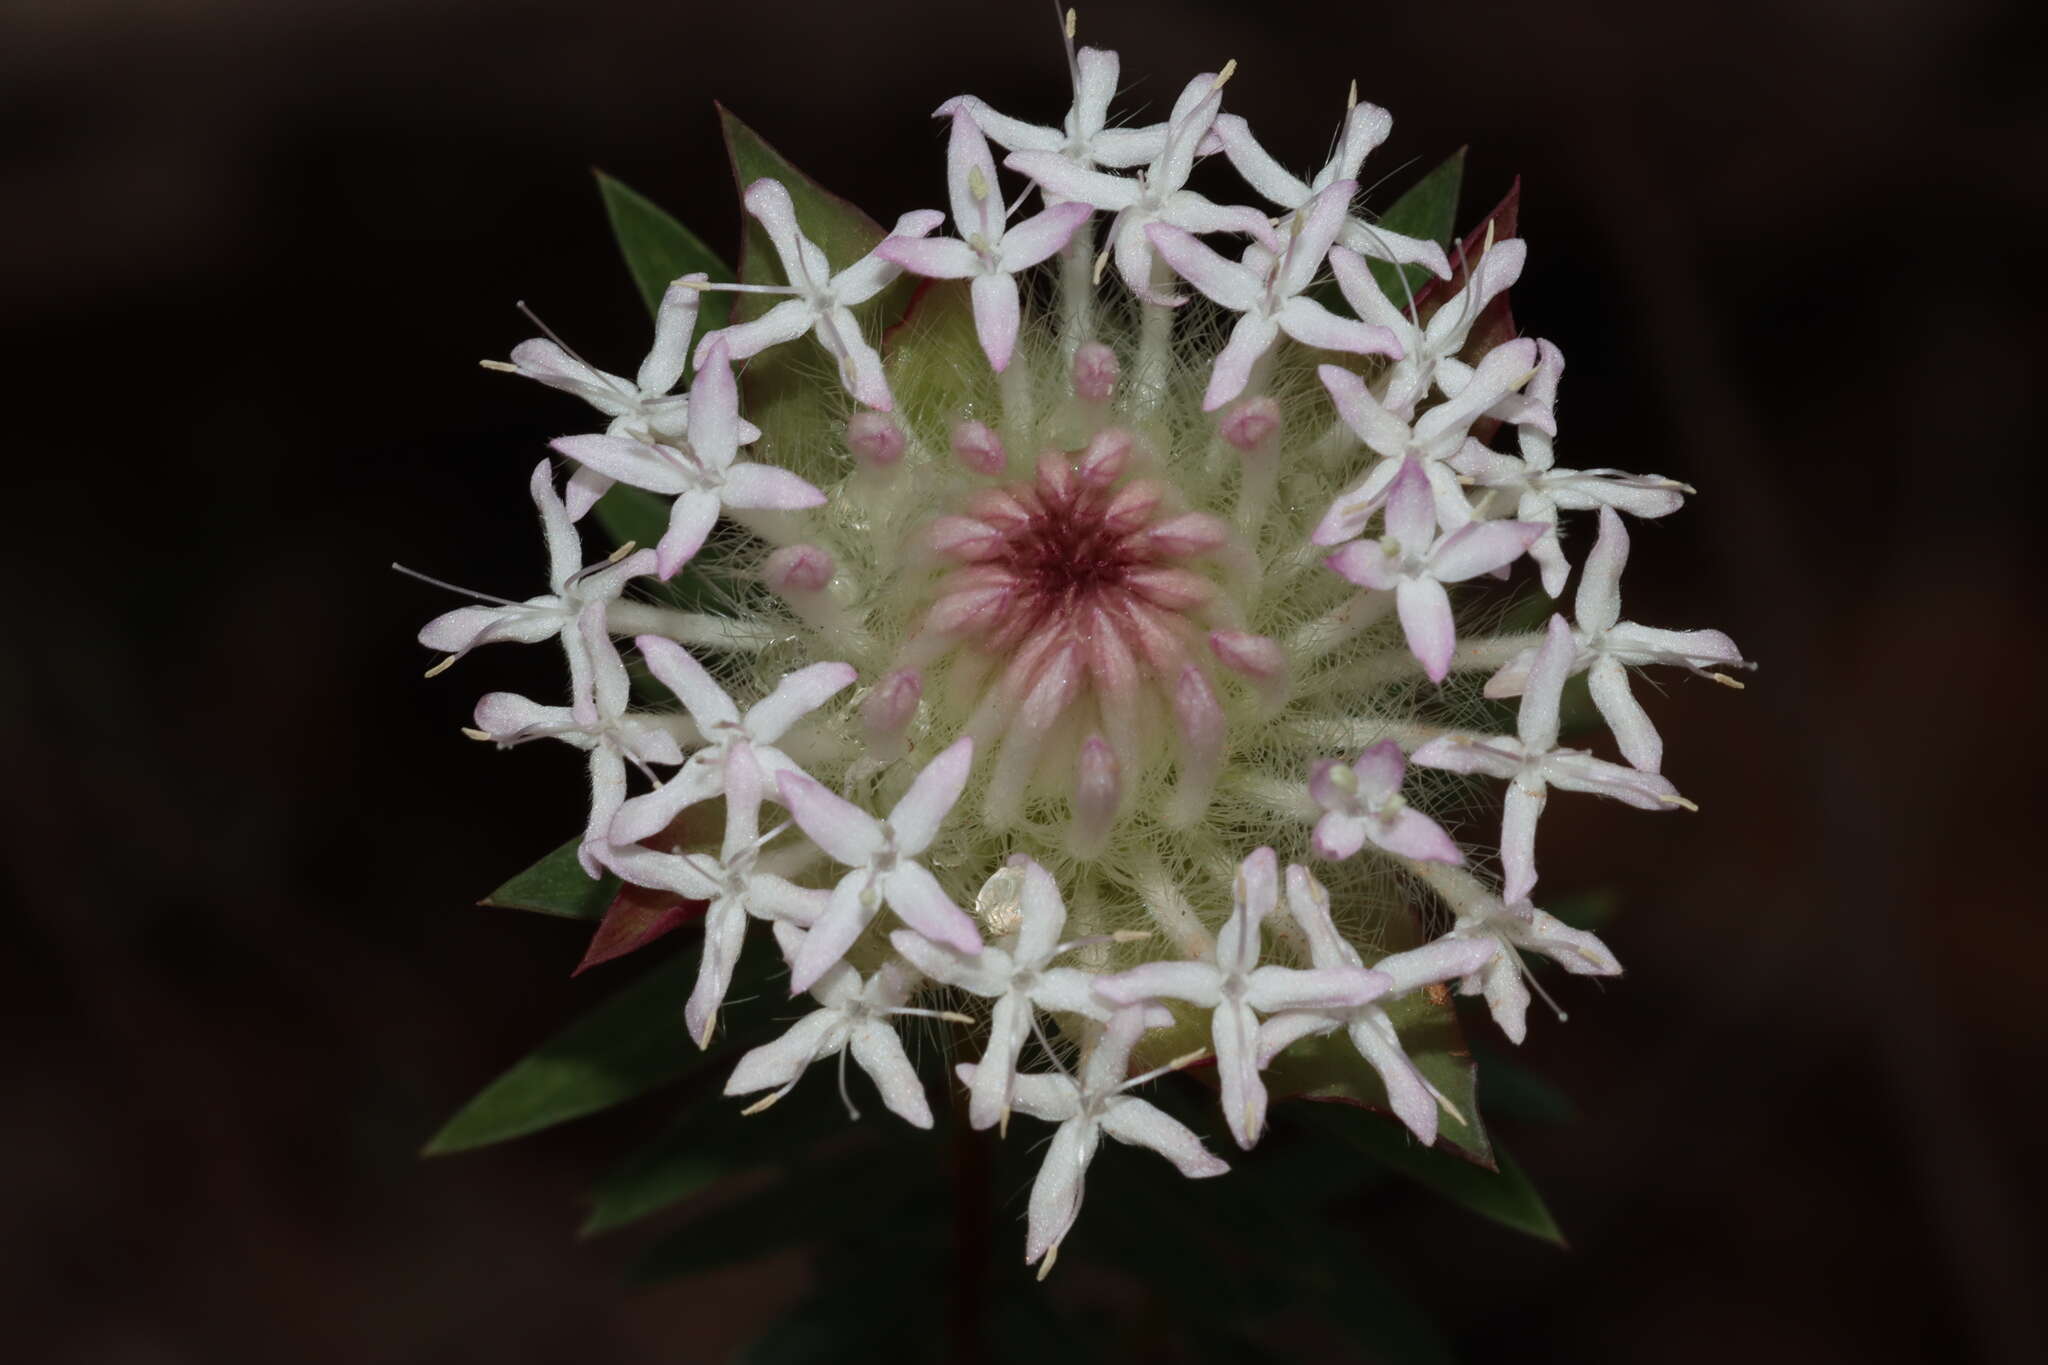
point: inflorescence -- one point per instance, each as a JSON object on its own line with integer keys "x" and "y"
{"x": 1094, "y": 701}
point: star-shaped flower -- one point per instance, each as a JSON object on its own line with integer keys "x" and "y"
{"x": 552, "y": 614}
{"x": 699, "y": 473}
{"x": 1540, "y": 490}
{"x": 1084, "y": 136}
{"x": 1099, "y": 1103}
{"x": 596, "y": 721}
{"x": 1365, "y": 127}
{"x": 641, "y": 409}
{"x": 853, "y": 1018}
{"x": 1235, "y": 989}
{"x": 733, "y": 884}
{"x": 1267, "y": 288}
{"x": 1533, "y": 763}
{"x": 1428, "y": 355}
{"x": 1020, "y": 978}
{"x": 1362, "y": 802}
{"x": 823, "y": 302}
{"x": 1610, "y": 646}
{"x": 1508, "y": 931}
{"x": 719, "y": 721}
{"x": 1430, "y": 441}
{"x": 1155, "y": 195}
{"x": 1414, "y": 1099}
{"x": 1415, "y": 562}
{"x": 882, "y": 858}
{"x": 988, "y": 251}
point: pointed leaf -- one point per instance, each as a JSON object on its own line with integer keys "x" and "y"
{"x": 659, "y": 250}
{"x": 1428, "y": 210}
{"x": 1504, "y": 1195}
{"x": 557, "y": 885}
{"x": 625, "y": 1047}
{"x": 638, "y": 916}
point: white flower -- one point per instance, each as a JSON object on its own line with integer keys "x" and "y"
{"x": 1361, "y": 802}
{"x": 1365, "y": 127}
{"x": 1084, "y": 1111}
{"x": 699, "y": 473}
{"x": 1019, "y": 978}
{"x": 1415, "y": 563}
{"x": 1507, "y": 931}
{"x": 732, "y": 884}
{"x": 1414, "y": 1099}
{"x": 722, "y": 726}
{"x": 1541, "y": 490}
{"x": 1533, "y": 763}
{"x": 1428, "y": 354}
{"x": 854, "y": 1018}
{"x": 824, "y": 301}
{"x": 642, "y": 408}
{"x": 553, "y": 614}
{"x": 1267, "y": 288}
{"x": 597, "y": 721}
{"x": 1084, "y": 137}
{"x": 882, "y": 856}
{"x": 1231, "y": 985}
{"x": 992, "y": 252}
{"x": 1431, "y": 440}
{"x": 1610, "y": 646}
{"x": 1156, "y": 195}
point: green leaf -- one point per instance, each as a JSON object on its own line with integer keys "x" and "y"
{"x": 1428, "y": 210}
{"x": 659, "y": 250}
{"x": 1504, "y": 1195}
{"x": 557, "y": 885}
{"x": 625, "y": 1047}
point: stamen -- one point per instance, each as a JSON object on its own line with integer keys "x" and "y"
{"x": 450, "y": 587}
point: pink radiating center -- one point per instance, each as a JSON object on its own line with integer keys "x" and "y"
{"x": 1080, "y": 594}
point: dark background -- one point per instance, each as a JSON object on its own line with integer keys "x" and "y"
{"x": 249, "y": 255}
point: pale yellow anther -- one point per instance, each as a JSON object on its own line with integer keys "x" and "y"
{"x": 1489, "y": 238}
{"x": 1052, "y": 1253}
{"x": 1130, "y": 936}
{"x": 621, "y": 552}
{"x": 1351, "y": 101}
{"x": 1072, "y": 21}
{"x": 758, "y": 1105}
{"x": 476, "y": 734}
{"x": 499, "y": 366}
{"x": 1229, "y": 70}
{"x": 1675, "y": 800}
{"x": 1726, "y": 681}
{"x": 1445, "y": 1104}
{"x": 1343, "y": 778}
{"x": 1187, "y": 1059}
{"x": 1003, "y": 1123}
{"x": 438, "y": 669}
{"x": 977, "y": 183}
{"x": 696, "y": 284}
{"x": 953, "y": 1017}
{"x": 1101, "y": 264}
{"x": 704, "y": 1037}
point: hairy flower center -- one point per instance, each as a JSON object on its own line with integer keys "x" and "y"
{"x": 1074, "y": 610}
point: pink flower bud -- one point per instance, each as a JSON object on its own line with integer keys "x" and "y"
{"x": 1251, "y": 423}
{"x": 1095, "y": 372}
{"x": 798, "y": 569}
{"x": 874, "y": 438}
{"x": 979, "y": 448}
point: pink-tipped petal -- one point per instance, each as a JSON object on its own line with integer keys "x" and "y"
{"x": 917, "y": 817}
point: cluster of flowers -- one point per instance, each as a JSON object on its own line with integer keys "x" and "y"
{"x": 1127, "y": 598}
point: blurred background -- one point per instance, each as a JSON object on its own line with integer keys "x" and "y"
{"x": 249, "y": 256}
